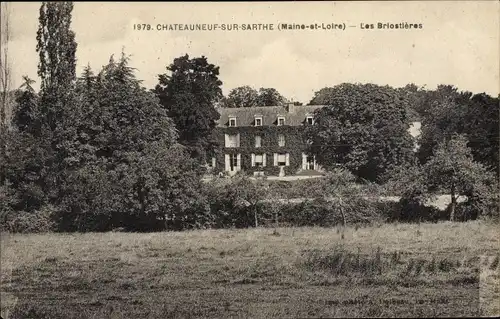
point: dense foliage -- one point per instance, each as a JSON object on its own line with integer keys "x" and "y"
{"x": 188, "y": 93}
{"x": 363, "y": 128}
{"x": 131, "y": 158}
{"x": 451, "y": 170}
{"x": 448, "y": 111}
{"x": 246, "y": 96}
{"x": 100, "y": 152}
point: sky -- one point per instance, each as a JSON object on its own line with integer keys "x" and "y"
{"x": 458, "y": 44}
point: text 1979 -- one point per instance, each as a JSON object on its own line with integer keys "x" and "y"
{"x": 142, "y": 26}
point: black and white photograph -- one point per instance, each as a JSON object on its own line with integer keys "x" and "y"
{"x": 267, "y": 159}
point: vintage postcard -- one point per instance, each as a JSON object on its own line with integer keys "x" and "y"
{"x": 293, "y": 159}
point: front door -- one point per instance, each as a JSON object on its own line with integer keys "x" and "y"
{"x": 310, "y": 163}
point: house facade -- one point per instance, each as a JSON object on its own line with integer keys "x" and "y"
{"x": 264, "y": 141}
{"x": 268, "y": 141}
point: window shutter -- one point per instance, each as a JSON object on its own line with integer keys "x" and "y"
{"x": 275, "y": 159}
{"x": 226, "y": 139}
{"x": 253, "y": 160}
{"x": 264, "y": 160}
{"x": 287, "y": 159}
{"x": 304, "y": 161}
{"x": 238, "y": 140}
{"x": 238, "y": 158}
{"x": 226, "y": 159}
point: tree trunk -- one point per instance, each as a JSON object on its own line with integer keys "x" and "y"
{"x": 5, "y": 82}
{"x": 276, "y": 223}
{"x": 341, "y": 205}
{"x": 453, "y": 203}
{"x": 255, "y": 216}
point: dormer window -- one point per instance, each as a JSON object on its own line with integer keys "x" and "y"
{"x": 232, "y": 122}
{"x": 310, "y": 119}
{"x": 258, "y": 121}
{"x": 281, "y": 120}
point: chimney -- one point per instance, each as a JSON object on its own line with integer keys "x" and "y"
{"x": 290, "y": 107}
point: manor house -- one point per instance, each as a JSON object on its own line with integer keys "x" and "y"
{"x": 266, "y": 141}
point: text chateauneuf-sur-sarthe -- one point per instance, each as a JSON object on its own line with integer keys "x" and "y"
{"x": 272, "y": 27}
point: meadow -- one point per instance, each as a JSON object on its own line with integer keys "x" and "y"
{"x": 389, "y": 270}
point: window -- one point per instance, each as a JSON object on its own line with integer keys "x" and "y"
{"x": 281, "y": 159}
{"x": 310, "y": 162}
{"x": 232, "y": 122}
{"x": 281, "y": 140}
{"x": 232, "y": 140}
{"x": 258, "y": 141}
{"x": 259, "y": 160}
{"x": 309, "y": 120}
{"x": 233, "y": 161}
{"x": 281, "y": 121}
{"x": 258, "y": 121}
{"x": 212, "y": 163}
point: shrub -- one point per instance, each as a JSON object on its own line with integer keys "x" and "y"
{"x": 413, "y": 211}
{"x": 311, "y": 213}
{"x": 320, "y": 212}
{"x": 38, "y": 221}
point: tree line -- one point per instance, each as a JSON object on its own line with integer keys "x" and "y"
{"x": 96, "y": 151}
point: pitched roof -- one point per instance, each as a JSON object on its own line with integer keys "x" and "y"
{"x": 245, "y": 116}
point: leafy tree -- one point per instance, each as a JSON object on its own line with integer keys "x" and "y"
{"x": 188, "y": 94}
{"x": 243, "y": 96}
{"x": 234, "y": 201}
{"x": 26, "y": 116}
{"x": 323, "y": 96}
{"x": 135, "y": 174}
{"x": 28, "y": 155}
{"x": 444, "y": 111}
{"x": 246, "y": 96}
{"x": 451, "y": 170}
{"x": 58, "y": 108}
{"x": 56, "y": 47}
{"x": 28, "y": 176}
{"x": 270, "y": 97}
{"x": 417, "y": 100}
{"x": 364, "y": 128}
{"x": 450, "y": 111}
{"x": 345, "y": 197}
{"x": 340, "y": 187}
{"x": 482, "y": 126}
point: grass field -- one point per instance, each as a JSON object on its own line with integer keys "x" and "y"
{"x": 444, "y": 269}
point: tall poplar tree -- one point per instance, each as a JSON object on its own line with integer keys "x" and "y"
{"x": 58, "y": 107}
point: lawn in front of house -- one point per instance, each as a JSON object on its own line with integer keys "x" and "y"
{"x": 443, "y": 269}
